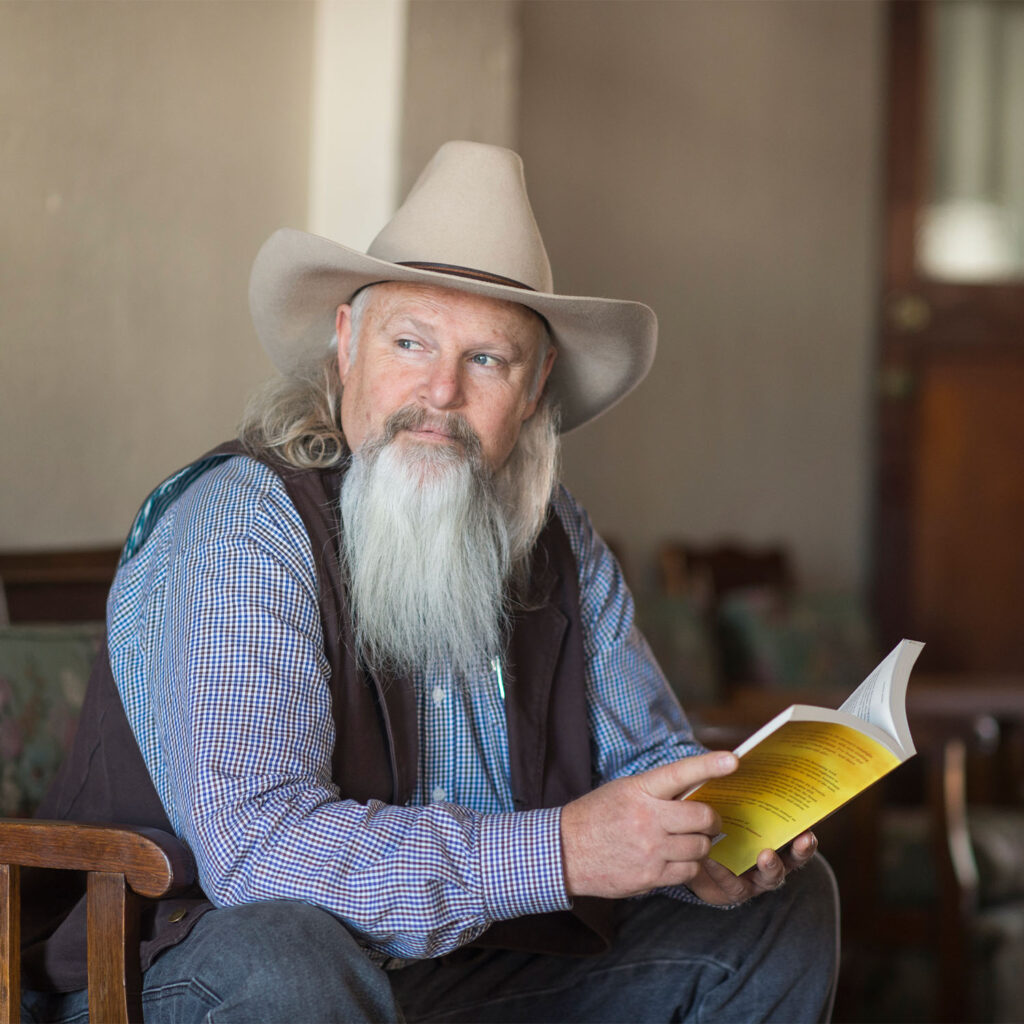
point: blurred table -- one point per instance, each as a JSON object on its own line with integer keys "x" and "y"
{"x": 929, "y": 695}
{"x": 985, "y": 708}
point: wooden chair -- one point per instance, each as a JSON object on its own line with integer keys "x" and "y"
{"x": 715, "y": 570}
{"x": 926, "y": 831}
{"x": 124, "y": 867}
{"x": 57, "y": 586}
{"x": 708, "y": 574}
{"x": 944, "y": 923}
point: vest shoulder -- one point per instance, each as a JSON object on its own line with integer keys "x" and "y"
{"x": 574, "y": 520}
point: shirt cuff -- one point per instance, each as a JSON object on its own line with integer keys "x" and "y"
{"x": 521, "y": 863}
{"x": 686, "y": 895}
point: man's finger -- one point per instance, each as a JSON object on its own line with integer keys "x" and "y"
{"x": 800, "y": 851}
{"x": 770, "y": 871}
{"x": 679, "y": 777}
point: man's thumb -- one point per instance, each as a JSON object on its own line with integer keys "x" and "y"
{"x": 678, "y": 778}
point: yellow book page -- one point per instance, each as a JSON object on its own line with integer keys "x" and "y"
{"x": 792, "y": 779}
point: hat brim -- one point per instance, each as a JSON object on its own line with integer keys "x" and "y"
{"x": 605, "y": 346}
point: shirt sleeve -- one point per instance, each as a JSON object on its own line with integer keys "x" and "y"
{"x": 217, "y": 649}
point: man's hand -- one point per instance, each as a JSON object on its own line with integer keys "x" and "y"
{"x": 633, "y": 835}
{"x": 716, "y": 884}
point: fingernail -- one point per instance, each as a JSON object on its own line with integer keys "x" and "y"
{"x": 727, "y": 761}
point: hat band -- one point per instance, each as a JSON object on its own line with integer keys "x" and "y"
{"x": 468, "y": 272}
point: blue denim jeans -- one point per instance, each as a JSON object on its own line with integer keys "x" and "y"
{"x": 772, "y": 959}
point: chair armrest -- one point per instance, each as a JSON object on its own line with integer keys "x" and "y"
{"x": 122, "y": 862}
{"x": 154, "y": 863}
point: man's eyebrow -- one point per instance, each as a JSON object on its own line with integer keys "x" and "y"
{"x": 400, "y": 319}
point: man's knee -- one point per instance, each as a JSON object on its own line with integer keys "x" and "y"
{"x": 815, "y": 896}
{"x": 804, "y": 939}
{"x": 274, "y": 960}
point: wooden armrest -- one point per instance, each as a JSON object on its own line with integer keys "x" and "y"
{"x": 154, "y": 862}
{"x": 123, "y": 863}
{"x": 952, "y": 826}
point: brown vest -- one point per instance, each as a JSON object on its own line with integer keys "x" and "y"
{"x": 375, "y": 753}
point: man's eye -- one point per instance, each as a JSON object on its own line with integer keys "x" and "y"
{"x": 406, "y": 343}
{"x": 483, "y": 359}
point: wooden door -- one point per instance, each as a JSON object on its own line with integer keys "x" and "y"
{"x": 949, "y": 528}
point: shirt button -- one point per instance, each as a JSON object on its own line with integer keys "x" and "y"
{"x": 438, "y": 695}
{"x": 438, "y": 794}
{"x": 176, "y": 915}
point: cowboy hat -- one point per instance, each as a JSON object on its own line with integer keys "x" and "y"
{"x": 466, "y": 224}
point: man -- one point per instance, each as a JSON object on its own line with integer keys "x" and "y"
{"x": 376, "y": 669}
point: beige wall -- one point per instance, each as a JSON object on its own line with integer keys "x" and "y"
{"x": 461, "y": 78}
{"x": 719, "y": 161}
{"x": 148, "y": 149}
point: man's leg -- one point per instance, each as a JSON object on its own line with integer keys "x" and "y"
{"x": 273, "y": 962}
{"x": 773, "y": 959}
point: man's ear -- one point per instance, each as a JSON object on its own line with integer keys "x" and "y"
{"x": 343, "y": 329}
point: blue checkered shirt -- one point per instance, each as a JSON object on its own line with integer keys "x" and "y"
{"x": 217, "y": 650}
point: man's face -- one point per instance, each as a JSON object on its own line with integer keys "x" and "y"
{"x": 444, "y": 352}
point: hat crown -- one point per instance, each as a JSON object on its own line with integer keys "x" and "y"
{"x": 469, "y": 209}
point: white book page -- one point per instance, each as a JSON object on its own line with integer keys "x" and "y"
{"x": 882, "y": 698}
{"x": 808, "y": 713}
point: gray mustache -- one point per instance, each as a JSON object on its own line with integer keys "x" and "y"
{"x": 412, "y": 417}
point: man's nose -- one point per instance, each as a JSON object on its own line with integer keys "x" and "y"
{"x": 443, "y": 385}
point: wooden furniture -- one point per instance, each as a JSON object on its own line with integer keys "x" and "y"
{"x": 945, "y": 923}
{"x": 57, "y": 586}
{"x": 948, "y": 547}
{"x": 706, "y": 575}
{"x": 714, "y": 570}
{"x": 124, "y": 865}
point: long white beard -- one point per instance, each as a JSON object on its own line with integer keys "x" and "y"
{"x": 426, "y": 550}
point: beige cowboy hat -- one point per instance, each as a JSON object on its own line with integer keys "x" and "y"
{"x": 466, "y": 224}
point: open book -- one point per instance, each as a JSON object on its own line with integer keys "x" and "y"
{"x": 807, "y": 761}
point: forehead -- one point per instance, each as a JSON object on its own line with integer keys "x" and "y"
{"x": 446, "y": 308}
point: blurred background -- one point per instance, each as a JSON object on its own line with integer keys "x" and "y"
{"x": 823, "y": 201}
{"x": 719, "y": 161}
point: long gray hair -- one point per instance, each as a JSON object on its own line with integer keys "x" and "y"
{"x": 298, "y": 419}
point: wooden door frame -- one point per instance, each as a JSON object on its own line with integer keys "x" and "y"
{"x": 917, "y": 317}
